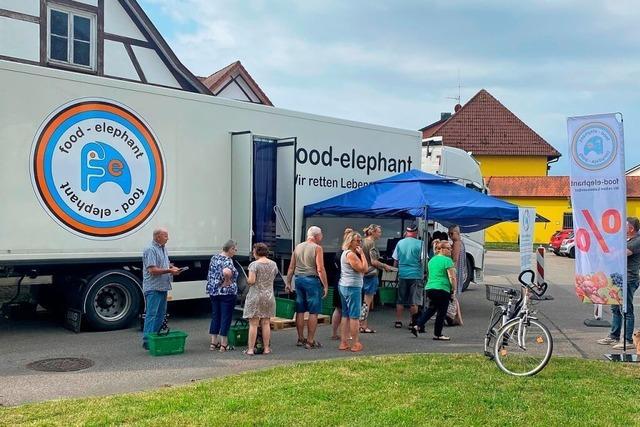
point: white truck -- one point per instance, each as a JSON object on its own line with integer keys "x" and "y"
{"x": 92, "y": 165}
{"x": 455, "y": 163}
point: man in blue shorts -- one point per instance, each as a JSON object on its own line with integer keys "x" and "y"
{"x": 408, "y": 258}
{"x": 307, "y": 263}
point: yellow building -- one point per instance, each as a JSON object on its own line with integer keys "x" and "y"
{"x": 550, "y": 195}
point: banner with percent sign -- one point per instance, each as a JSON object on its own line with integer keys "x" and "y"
{"x": 527, "y": 220}
{"x": 598, "y": 197}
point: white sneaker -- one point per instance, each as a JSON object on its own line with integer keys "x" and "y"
{"x": 607, "y": 341}
{"x": 620, "y": 346}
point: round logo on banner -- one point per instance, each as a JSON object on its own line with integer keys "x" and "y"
{"x": 97, "y": 168}
{"x": 594, "y": 146}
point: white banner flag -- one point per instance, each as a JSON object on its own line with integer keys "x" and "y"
{"x": 527, "y": 220}
{"x": 598, "y": 197}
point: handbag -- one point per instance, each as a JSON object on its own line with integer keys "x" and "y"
{"x": 454, "y": 316}
{"x": 452, "y": 309}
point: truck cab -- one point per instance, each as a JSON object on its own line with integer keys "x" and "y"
{"x": 457, "y": 164}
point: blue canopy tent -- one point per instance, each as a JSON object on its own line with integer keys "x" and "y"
{"x": 418, "y": 194}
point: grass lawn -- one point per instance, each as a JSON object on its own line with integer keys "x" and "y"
{"x": 370, "y": 391}
{"x": 506, "y": 246}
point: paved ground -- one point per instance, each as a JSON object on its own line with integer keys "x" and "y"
{"x": 121, "y": 365}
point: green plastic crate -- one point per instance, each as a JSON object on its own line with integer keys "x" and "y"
{"x": 327, "y": 303}
{"x": 388, "y": 295}
{"x": 164, "y": 345}
{"x": 285, "y": 308}
{"x": 238, "y": 334}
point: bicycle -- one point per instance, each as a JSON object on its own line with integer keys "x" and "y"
{"x": 516, "y": 340}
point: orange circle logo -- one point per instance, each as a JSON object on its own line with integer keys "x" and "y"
{"x": 97, "y": 168}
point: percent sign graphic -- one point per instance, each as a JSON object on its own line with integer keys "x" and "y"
{"x": 611, "y": 222}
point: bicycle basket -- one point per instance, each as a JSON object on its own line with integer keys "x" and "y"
{"x": 497, "y": 294}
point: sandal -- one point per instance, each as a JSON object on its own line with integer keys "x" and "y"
{"x": 398, "y": 324}
{"x": 301, "y": 342}
{"x": 267, "y": 351}
{"x": 367, "y": 331}
{"x": 223, "y": 348}
{"x": 313, "y": 344}
{"x": 442, "y": 338}
{"x": 357, "y": 347}
{"x": 246, "y": 352}
{"x": 343, "y": 347}
{"x": 214, "y": 347}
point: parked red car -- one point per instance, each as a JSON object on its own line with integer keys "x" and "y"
{"x": 557, "y": 238}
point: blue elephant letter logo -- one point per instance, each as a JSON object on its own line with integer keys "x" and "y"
{"x": 594, "y": 144}
{"x": 102, "y": 163}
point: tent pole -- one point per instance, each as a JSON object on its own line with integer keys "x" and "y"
{"x": 425, "y": 241}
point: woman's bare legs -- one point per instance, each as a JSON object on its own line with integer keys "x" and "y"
{"x": 265, "y": 323}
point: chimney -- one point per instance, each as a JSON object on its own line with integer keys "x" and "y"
{"x": 445, "y": 116}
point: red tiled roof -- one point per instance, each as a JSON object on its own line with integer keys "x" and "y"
{"x": 543, "y": 186}
{"x": 429, "y": 130}
{"x": 215, "y": 80}
{"x": 486, "y": 127}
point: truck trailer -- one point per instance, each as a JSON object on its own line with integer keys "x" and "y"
{"x": 93, "y": 165}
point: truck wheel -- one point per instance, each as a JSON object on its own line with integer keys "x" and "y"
{"x": 112, "y": 300}
{"x": 470, "y": 273}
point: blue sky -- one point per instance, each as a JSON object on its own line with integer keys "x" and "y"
{"x": 397, "y": 63}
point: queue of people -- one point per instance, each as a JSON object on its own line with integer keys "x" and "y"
{"x": 358, "y": 266}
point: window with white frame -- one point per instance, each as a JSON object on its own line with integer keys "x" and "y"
{"x": 71, "y": 37}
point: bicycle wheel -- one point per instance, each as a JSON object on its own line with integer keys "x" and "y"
{"x": 523, "y": 348}
{"x": 492, "y": 331}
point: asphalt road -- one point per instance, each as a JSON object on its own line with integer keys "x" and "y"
{"x": 121, "y": 365}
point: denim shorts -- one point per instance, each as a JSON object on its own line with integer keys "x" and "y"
{"x": 370, "y": 285}
{"x": 351, "y": 297}
{"x": 308, "y": 294}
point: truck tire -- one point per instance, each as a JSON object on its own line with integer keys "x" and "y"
{"x": 470, "y": 273}
{"x": 112, "y": 300}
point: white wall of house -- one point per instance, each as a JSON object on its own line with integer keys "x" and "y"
{"x": 233, "y": 92}
{"x": 238, "y": 90}
{"x": 153, "y": 68}
{"x": 90, "y": 2}
{"x": 117, "y": 62}
{"x": 28, "y": 7}
{"x": 19, "y": 39}
{"x": 240, "y": 81}
{"x": 117, "y": 21}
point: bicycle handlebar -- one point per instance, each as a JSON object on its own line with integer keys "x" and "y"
{"x": 539, "y": 290}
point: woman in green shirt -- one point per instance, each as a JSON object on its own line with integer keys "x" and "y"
{"x": 441, "y": 286}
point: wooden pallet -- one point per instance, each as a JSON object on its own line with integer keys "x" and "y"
{"x": 278, "y": 323}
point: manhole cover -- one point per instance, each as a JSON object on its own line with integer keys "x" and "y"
{"x": 64, "y": 364}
